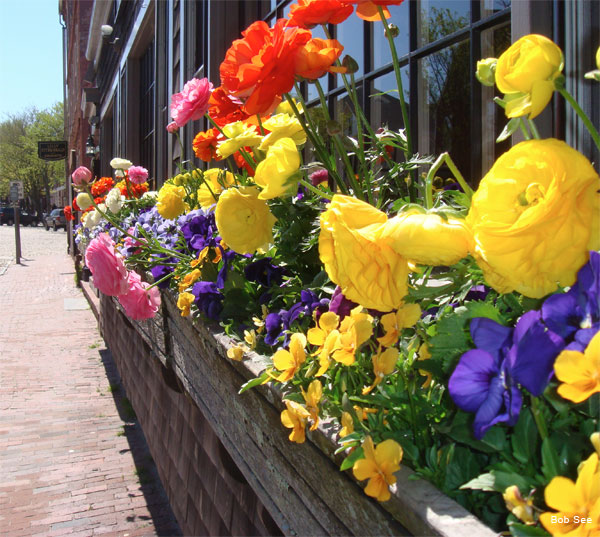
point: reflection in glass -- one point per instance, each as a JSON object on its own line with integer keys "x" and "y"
{"x": 381, "y": 48}
{"x": 444, "y": 105}
{"x": 439, "y": 18}
{"x": 384, "y": 102}
{"x": 488, "y": 7}
{"x": 350, "y": 34}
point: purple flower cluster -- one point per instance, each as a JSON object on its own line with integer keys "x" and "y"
{"x": 486, "y": 380}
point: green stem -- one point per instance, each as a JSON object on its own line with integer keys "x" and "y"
{"x": 582, "y": 115}
{"x": 524, "y": 130}
{"x": 444, "y": 158}
{"x": 164, "y": 278}
{"x": 315, "y": 190}
{"x": 534, "y": 131}
{"x": 536, "y": 410}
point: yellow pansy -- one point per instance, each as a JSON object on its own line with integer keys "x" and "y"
{"x": 282, "y": 126}
{"x": 428, "y": 239}
{"x": 363, "y": 412}
{"x": 526, "y": 71}
{"x": 236, "y": 352}
{"x": 393, "y": 323}
{"x": 250, "y": 338}
{"x": 273, "y": 174}
{"x": 290, "y": 361}
{"x": 312, "y": 397}
{"x": 184, "y": 303}
{"x": 354, "y": 330}
{"x": 367, "y": 269}
{"x": 578, "y": 504}
{"x": 384, "y": 364}
{"x": 579, "y": 372}
{"x": 534, "y": 218}
{"x": 347, "y": 424}
{"x": 217, "y": 180}
{"x": 244, "y": 222}
{"x": 295, "y": 417}
{"x": 170, "y": 201}
{"x": 239, "y": 135}
{"x": 324, "y": 336}
{"x": 189, "y": 279}
{"x": 424, "y": 354}
{"x": 378, "y": 467}
{"x": 521, "y": 508}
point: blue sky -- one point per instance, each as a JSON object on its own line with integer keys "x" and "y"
{"x": 30, "y": 55}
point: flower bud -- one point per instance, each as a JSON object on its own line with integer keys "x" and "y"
{"x": 172, "y": 127}
{"x": 394, "y": 31}
{"x": 84, "y": 201}
{"x": 81, "y": 176}
{"x": 349, "y": 63}
{"x": 486, "y": 71}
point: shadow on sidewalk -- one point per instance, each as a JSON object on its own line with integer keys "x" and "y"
{"x": 162, "y": 516}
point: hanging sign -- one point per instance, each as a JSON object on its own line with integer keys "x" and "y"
{"x": 55, "y": 150}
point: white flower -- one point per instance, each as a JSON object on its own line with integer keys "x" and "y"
{"x": 114, "y": 200}
{"x": 151, "y": 194}
{"x": 120, "y": 164}
{"x": 83, "y": 200}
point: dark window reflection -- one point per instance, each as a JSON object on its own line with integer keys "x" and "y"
{"x": 439, "y": 18}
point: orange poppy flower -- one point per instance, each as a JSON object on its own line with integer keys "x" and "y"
{"x": 224, "y": 109}
{"x": 242, "y": 163}
{"x": 260, "y": 67}
{"x": 309, "y": 13}
{"x": 205, "y": 145}
{"x": 317, "y": 57}
{"x": 367, "y": 9}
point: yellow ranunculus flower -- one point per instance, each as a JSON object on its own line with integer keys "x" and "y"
{"x": 578, "y": 504}
{"x": 534, "y": 218}
{"x": 273, "y": 173}
{"x": 294, "y": 417}
{"x": 579, "y": 372}
{"x": 218, "y": 180}
{"x": 239, "y": 134}
{"x": 282, "y": 126}
{"x": 428, "y": 239}
{"x": 170, "y": 202}
{"x": 526, "y": 72}
{"x": 285, "y": 108}
{"x": 244, "y": 222}
{"x": 356, "y": 258}
{"x": 378, "y": 467}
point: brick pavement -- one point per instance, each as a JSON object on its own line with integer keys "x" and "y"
{"x": 73, "y": 460}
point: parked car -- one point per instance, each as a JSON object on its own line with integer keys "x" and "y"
{"x": 28, "y": 219}
{"x": 7, "y": 215}
{"x": 56, "y": 219}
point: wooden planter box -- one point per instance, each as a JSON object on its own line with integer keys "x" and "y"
{"x": 298, "y": 485}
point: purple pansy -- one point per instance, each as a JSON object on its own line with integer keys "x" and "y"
{"x": 273, "y": 328}
{"x": 208, "y": 299}
{"x": 485, "y": 381}
{"x": 199, "y": 229}
{"x": 264, "y": 272}
{"x": 340, "y": 304}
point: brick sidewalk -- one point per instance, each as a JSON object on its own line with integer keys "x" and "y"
{"x": 73, "y": 460}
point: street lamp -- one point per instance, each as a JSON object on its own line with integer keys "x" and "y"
{"x": 91, "y": 150}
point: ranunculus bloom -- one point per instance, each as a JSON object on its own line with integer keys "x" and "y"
{"x": 485, "y": 72}
{"x": 238, "y": 135}
{"x": 140, "y": 302}
{"x": 224, "y": 108}
{"x": 68, "y": 213}
{"x": 114, "y": 200}
{"x": 244, "y": 221}
{"x": 101, "y": 186}
{"x": 170, "y": 202}
{"x": 310, "y": 13}
{"x": 81, "y": 176}
{"x": 578, "y": 504}
{"x": 356, "y": 258}
{"x": 428, "y": 239}
{"x": 579, "y": 372}
{"x": 192, "y": 103}
{"x": 367, "y": 9}
{"x": 525, "y": 72}
{"x": 84, "y": 200}
{"x": 273, "y": 173}
{"x": 282, "y": 126}
{"x": 217, "y": 180}
{"x": 120, "y": 164}
{"x": 106, "y": 265}
{"x": 137, "y": 174}
{"x": 205, "y": 145}
{"x": 534, "y": 218}
{"x": 378, "y": 466}
{"x": 317, "y": 57}
{"x": 260, "y": 67}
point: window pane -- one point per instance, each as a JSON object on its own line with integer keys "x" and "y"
{"x": 444, "y": 105}
{"x": 350, "y": 34}
{"x": 381, "y": 49}
{"x": 438, "y": 18}
{"x": 384, "y": 102}
{"x": 488, "y": 7}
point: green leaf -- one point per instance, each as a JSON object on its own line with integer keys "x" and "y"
{"x": 481, "y": 482}
{"x": 254, "y": 382}
{"x": 503, "y": 480}
{"x": 550, "y": 460}
{"x": 349, "y": 461}
{"x": 508, "y": 129}
{"x": 484, "y": 309}
{"x": 451, "y": 340}
{"x": 524, "y": 438}
{"x": 523, "y": 530}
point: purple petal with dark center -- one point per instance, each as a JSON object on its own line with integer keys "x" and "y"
{"x": 561, "y": 313}
{"x": 489, "y": 412}
{"x": 489, "y": 335}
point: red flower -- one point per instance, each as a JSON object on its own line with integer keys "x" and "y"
{"x": 224, "y": 109}
{"x": 75, "y": 206}
{"x": 309, "y": 13}
{"x": 205, "y": 145}
{"x": 317, "y": 57}
{"x": 367, "y": 9}
{"x": 260, "y": 66}
{"x": 129, "y": 189}
{"x": 102, "y": 186}
{"x": 68, "y": 213}
{"x": 242, "y": 163}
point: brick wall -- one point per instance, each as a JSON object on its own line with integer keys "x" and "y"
{"x": 208, "y": 493}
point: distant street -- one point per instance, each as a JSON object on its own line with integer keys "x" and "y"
{"x": 35, "y": 242}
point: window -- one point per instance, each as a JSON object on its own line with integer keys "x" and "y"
{"x": 147, "y": 112}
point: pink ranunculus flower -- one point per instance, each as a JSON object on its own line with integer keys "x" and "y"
{"x": 140, "y": 302}
{"x": 81, "y": 176}
{"x": 172, "y": 127}
{"x": 107, "y": 266}
{"x": 192, "y": 103}
{"x": 137, "y": 174}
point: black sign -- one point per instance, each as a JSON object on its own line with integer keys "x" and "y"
{"x": 52, "y": 150}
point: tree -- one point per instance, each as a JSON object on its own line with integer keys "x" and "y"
{"x": 19, "y": 137}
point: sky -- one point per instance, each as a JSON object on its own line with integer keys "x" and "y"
{"x": 31, "y": 71}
